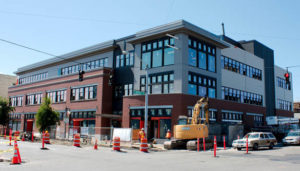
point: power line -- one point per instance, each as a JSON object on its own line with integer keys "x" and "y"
{"x": 67, "y": 18}
{"x": 39, "y": 51}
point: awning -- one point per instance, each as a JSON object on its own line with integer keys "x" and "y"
{"x": 82, "y": 119}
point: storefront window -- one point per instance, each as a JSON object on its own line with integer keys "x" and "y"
{"x": 135, "y": 123}
{"x": 165, "y": 124}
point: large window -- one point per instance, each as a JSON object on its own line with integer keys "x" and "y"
{"x": 146, "y": 60}
{"x": 16, "y": 101}
{"x": 84, "y": 93}
{"x": 241, "y": 96}
{"x": 202, "y": 55}
{"x": 125, "y": 60}
{"x": 168, "y": 56}
{"x": 33, "y": 78}
{"x": 192, "y": 57}
{"x": 159, "y": 83}
{"x": 201, "y": 85}
{"x": 231, "y": 116}
{"x": 33, "y": 99}
{"x": 211, "y": 63}
{"x": 282, "y": 83}
{"x": 211, "y": 114}
{"x": 238, "y": 67}
{"x": 57, "y": 96}
{"x": 87, "y": 66}
{"x": 157, "y": 53}
{"x": 284, "y": 105}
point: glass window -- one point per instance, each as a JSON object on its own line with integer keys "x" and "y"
{"x": 202, "y": 60}
{"x": 159, "y": 79}
{"x": 192, "y": 89}
{"x": 117, "y": 61}
{"x": 157, "y": 58}
{"x": 146, "y": 60}
{"x": 156, "y": 89}
{"x": 192, "y": 57}
{"x": 202, "y": 91}
{"x": 211, "y": 63}
{"x": 211, "y": 93}
{"x": 171, "y": 77}
{"x": 168, "y": 56}
{"x": 154, "y": 45}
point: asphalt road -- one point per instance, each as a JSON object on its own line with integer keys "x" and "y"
{"x": 68, "y": 158}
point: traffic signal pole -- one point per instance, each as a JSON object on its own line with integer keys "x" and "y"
{"x": 146, "y": 104}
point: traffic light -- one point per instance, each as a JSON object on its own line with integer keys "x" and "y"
{"x": 81, "y": 75}
{"x": 287, "y": 77}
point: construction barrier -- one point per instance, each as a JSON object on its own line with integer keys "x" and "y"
{"x": 116, "y": 144}
{"x": 32, "y": 136}
{"x": 10, "y": 137}
{"x": 144, "y": 145}
{"x": 96, "y": 145}
{"x": 203, "y": 144}
{"x": 247, "y": 144}
{"x": 17, "y": 157}
{"x": 215, "y": 146}
{"x": 76, "y": 140}
{"x": 47, "y": 137}
{"x": 198, "y": 144}
{"x": 224, "y": 142}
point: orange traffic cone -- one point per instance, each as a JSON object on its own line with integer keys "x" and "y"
{"x": 16, "y": 158}
{"x": 96, "y": 145}
{"x": 19, "y": 156}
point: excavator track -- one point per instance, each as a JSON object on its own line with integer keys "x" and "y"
{"x": 187, "y": 144}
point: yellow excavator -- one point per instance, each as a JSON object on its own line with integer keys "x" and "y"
{"x": 186, "y": 133}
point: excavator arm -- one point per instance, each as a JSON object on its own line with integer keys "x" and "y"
{"x": 197, "y": 109}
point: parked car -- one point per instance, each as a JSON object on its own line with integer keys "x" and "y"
{"x": 293, "y": 137}
{"x": 256, "y": 140}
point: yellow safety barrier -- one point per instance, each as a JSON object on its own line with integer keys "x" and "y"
{"x": 6, "y": 151}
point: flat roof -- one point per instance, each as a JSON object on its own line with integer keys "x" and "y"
{"x": 180, "y": 25}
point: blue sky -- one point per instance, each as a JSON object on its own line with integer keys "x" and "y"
{"x": 60, "y": 27}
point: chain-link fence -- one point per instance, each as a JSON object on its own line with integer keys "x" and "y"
{"x": 88, "y": 134}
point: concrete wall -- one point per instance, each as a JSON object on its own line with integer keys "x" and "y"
{"x": 239, "y": 81}
{"x": 282, "y": 93}
{"x": 5, "y": 82}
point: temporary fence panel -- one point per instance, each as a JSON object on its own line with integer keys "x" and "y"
{"x": 125, "y": 134}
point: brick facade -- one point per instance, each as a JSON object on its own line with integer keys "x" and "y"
{"x": 102, "y": 103}
{"x": 181, "y": 102}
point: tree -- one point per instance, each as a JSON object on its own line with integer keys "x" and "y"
{"x": 46, "y": 116}
{"x": 5, "y": 109}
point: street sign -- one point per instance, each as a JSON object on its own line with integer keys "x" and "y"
{"x": 137, "y": 92}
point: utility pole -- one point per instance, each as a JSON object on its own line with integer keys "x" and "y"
{"x": 146, "y": 104}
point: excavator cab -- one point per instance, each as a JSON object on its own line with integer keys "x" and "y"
{"x": 186, "y": 132}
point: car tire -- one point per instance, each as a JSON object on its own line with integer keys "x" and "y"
{"x": 271, "y": 146}
{"x": 239, "y": 149}
{"x": 255, "y": 146}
